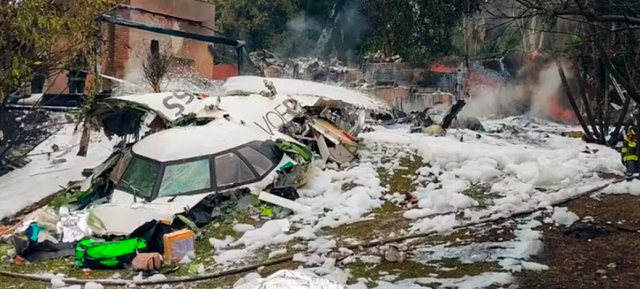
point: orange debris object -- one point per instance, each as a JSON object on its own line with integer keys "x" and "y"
{"x": 179, "y": 244}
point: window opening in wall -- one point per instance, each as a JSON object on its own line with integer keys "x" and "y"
{"x": 155, "y": 47}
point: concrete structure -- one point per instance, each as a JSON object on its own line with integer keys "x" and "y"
{"x": 125, "y": 49}
{"x": 412, "y": 99}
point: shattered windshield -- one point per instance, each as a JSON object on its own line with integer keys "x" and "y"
{"x": 259, "y": 162}
{"x": 140, "y": 177}
{"x": 185, "y": 178}
{"x": 230, "y": 169}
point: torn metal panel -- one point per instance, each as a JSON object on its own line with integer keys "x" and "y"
{"x": 129, "y": 217}
{"x": 282, "y": 202}
{"x": 343, "y": 148}
{"x": 304, "y": 91}
{"x": 171, "y": 106}
{"x": 99, "y": 170}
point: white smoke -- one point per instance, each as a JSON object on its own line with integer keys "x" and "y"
{"x": 487, "y": 101}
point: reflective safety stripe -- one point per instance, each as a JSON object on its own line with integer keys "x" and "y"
{"x": 630, "y": 158}
{"x": 632, "y": 144}
{"x": 624, "y": 150}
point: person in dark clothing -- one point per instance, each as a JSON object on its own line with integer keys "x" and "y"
{"x": 40, "y": 75}
{"x": 77, "y": 75}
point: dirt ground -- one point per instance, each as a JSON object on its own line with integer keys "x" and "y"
{"x": 602, "y": 253}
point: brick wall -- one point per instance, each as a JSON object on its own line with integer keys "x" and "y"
{"x": 404, "y": 99}
{"x": 124, "y": 49}
{"x": 195, "y": 51}
{"x": 405, "y": 74}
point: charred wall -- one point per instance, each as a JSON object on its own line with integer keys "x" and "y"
{"x": 124, "y": 49}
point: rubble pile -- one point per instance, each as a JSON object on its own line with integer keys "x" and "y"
{"x": 380, "y": 57}
{"x": 306, "y": 68}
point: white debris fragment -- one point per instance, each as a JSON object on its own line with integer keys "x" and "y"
{"x": 138, "y": 277}
{"x": 370, "y": 259}
{"x": 533, "y": 266}
{"x": 439, "y": 224}
{"x": 157, "y": 277}
{"x": 562, "y": 216}
{"x": 321, "y": 245}
{"x": 93, "y": 285}
{"x": 56, "y": 282}
{"x": 246, "y": 279}
{"x": 271, "y": 232}
{"x": 241, "y": 228}
{"x": 300, "y": 257}
{"x": 185, "y": 260}
{"x": 231, "y": 256}
{"x": 276, "y": 253}
{"x": 221, "y": 244}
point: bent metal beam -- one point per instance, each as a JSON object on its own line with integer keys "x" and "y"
{"x": 178, "y": 33}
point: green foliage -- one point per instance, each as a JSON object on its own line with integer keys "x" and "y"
{"x": 416, "y": 30}
{"x": 50, "y": 32}
{"x": 258, "y": 22}
{"x": 507, "y": 42}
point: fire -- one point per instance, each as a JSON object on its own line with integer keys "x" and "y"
{"x": 440, "y": 68}
{"x": 558, "y": 112}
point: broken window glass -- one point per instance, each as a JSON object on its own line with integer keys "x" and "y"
{"x": 140, "y": 176}
{"x": 230, "y": 169}
{"x": 260, "y": 162}
{"x": 185, "y": 177}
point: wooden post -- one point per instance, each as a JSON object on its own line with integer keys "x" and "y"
{"x": 572, "y": 100}
{"x": 604, "y": 123}
{"x": 84, "y": 140}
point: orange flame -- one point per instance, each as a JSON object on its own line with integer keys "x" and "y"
{"x": 441, "y": 68}
{"x": 560, "y": 113}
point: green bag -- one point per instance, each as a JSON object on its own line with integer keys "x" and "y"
{"x": 108, "y": 255}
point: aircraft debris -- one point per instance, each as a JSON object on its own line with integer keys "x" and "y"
{"x": 435, "y": 120}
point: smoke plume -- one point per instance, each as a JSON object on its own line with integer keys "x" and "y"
{"x": 538, "y": 95}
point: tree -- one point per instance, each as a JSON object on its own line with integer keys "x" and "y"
{"x": 600, "y": 39}
{"x": 43, "y": 33}
{"x": 418, "y": 30}
{"x": 259, "y": 22}
{"x": 156, "y": 67}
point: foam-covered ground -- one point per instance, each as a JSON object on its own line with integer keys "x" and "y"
{"x": 460, "y": 178}
{"x": 50, "y": 170}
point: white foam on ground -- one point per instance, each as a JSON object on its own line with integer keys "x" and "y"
{"x": 41, "y": 178}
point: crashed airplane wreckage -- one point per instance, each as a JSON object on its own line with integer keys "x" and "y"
{"x": 324, "y": 117}
{"x": 201, "y": 158}
{"x": 261, "y": 137}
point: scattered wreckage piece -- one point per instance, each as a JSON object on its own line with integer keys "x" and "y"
{"x": 300, "y": 89}
{"x": 435, "y": 120}
{"x": 324, "y": 117}
{"x": 287, "y": 279}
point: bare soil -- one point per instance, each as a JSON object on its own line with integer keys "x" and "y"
{"x": 604, "y": 253}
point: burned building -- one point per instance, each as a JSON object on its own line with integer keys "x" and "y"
{"x": 124, "y": 49}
